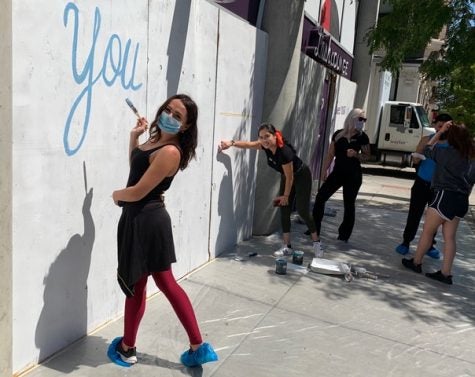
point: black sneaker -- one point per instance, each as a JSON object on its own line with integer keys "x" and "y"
{"x": 440, "y": 277}
{"x": 129, "y": 356}
{"x": 409, "y": 263}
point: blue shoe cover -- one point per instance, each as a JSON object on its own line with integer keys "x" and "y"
{"x": 204, "y": 354}
{"x": 402, "y": 249}
{"x": 114, "y": 356}
{"x": 433, "y": 253}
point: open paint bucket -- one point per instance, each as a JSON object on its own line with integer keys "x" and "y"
{"x": 281, "y": 266}
{"x": 297, "y": 257}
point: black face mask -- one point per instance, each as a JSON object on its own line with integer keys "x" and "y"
{"x": 443, "y": 136}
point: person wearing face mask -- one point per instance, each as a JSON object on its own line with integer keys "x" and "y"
{"x": 295, "y": 184}
{"x": 349, "y": 147}
{"x": 145, "y": 239}
{"x": 421, "y": 192}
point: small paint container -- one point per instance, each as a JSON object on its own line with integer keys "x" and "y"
{"x": 281, "y": 266}
{"x": 297, "y": 257}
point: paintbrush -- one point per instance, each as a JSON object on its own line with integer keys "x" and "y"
{"x": 84, "y": 175}
{"x": 131, "y": 105}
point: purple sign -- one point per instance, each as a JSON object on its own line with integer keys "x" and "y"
{"x": 247, "y": 9}
{"x": 320, "y": 46}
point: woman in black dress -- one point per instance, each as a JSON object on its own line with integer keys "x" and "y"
{"x": 145, "y": 239}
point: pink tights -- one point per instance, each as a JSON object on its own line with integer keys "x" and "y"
{"x": 135, "y": 307}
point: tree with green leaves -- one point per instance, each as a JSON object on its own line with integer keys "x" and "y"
{"x": 407, "y": 30}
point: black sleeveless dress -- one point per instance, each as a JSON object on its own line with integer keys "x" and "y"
{"x": 144, "y": 236}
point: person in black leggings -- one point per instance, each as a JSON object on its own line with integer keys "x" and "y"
{"x": 296, "y": 182}
{"x": 349, "y": 147}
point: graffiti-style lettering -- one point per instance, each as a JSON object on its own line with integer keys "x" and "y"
{"x": 114, "y": 65}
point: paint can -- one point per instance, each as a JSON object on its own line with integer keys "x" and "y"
{"x": 297, "y": 257}
{"x": 281, "y": 266}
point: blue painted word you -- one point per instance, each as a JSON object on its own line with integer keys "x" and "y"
{"x": 114, "y": 65}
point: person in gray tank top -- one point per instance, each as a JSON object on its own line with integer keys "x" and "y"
{"x": 452, "y": 184}
{"x": 421, "y": 192}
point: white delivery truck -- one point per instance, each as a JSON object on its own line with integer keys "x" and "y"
{"x": 395, "y": 134}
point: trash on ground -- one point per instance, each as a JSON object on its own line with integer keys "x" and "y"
{"x": 242, "y": 258}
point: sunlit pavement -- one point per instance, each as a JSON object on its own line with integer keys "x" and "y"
{"x": 308, "y": 324}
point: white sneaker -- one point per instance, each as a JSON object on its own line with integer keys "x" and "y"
{"x": 318, "y": 249}
{"x": 284, "y": 252}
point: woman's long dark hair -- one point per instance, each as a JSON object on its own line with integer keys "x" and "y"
{"x": 459, "y": 137}
{"x": 188, "y": 139}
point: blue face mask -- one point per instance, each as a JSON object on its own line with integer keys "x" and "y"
{"x": 168, "y": 124}
{"x": 359, "y": 125}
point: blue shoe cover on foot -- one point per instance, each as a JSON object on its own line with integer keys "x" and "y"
{"x": 114, "y": 356}
{"x": 433, "y": 253}
{"x": 204, "y": 354}
{"x": 402, "y": 249}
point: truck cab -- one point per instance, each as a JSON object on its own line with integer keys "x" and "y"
{"x": 402, "y": 125}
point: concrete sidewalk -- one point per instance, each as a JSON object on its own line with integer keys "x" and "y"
{"x": 307, "y": 324}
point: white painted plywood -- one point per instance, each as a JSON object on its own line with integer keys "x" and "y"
{"x": 183, "y": 43}
{"x": 347, "y": 38}
{"x": 239, "y": 93}
{"x": 6, "y": 189}
{"x": 70, "y": 135}
{"x": 308, "y": 108}
{"x": 312, "y": 9}
{"x": 344, "y": 98}
{"x": 64, "y": 258}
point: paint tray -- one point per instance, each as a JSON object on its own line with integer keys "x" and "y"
{"x": 328, "y": 267}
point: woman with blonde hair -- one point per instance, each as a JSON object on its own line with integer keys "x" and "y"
{"x": 349, "y": 147}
